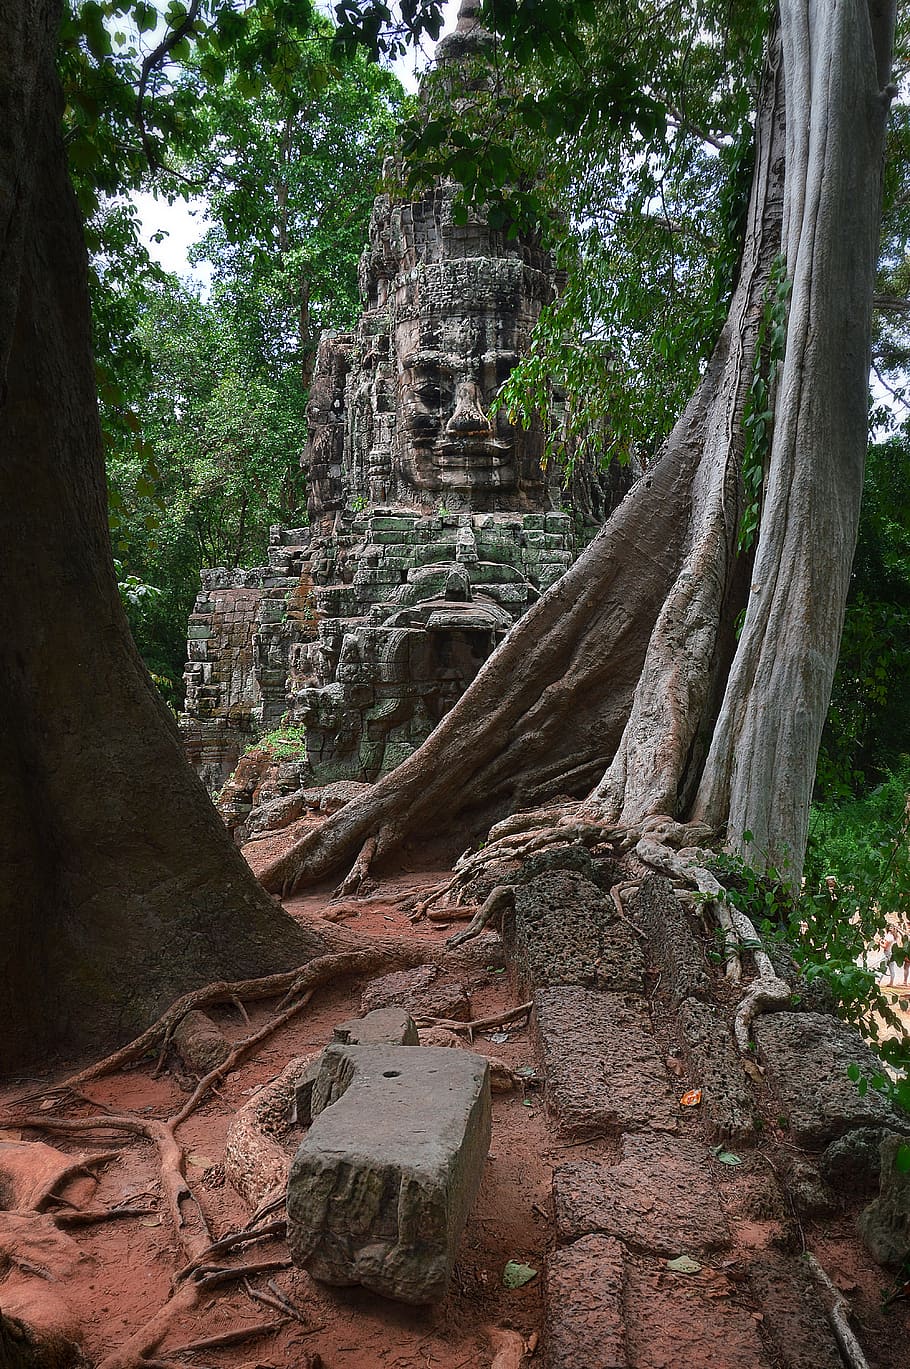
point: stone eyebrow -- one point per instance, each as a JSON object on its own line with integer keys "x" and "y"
{"x": 449, "y": 362}
{"x": 428, "y": 358}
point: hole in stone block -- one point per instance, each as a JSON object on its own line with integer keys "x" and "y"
{"x": 391, "y": 1074}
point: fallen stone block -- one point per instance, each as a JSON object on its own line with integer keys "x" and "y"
{"x": 303, "y": 1091}
{"x": 583, "y": 1291}
{"x": 853, "y": 1163}
{"x": 603, "y": 1070}
{"x": 673, "y": 946}
{"x": 661, "y": 1197}
{"x": 381, "y": 1027}
{"x": 806, "y": 1058}
{"x": 424, "y": 992}
{"x": 885, "y": 1224}
{"x": 565, "y": 931}
{"x": 675, "y": 1320}
{"x": 717, "y": 1068}
{"x": 794, "y": 1322}
{"x": 381, "y": 1187}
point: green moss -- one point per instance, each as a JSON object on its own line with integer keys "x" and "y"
{"x": 285, "y": 743}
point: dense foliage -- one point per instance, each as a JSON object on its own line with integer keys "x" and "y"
{"x": 253, "y": 110}
{"x": 277, "y": 137}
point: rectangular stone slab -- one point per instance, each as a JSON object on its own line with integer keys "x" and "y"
{"x": 806, "y": 1057}
{"x": 661, "y": 1197}
{"x": 604, "y": 1071}
{"x": 382, "y": 1185}
{"x": 585, "y": 1325}
{"x": 678, "y": 1321}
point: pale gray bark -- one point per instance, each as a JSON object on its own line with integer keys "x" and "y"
{"x": 674, "y": 689}
{"x": 761, "y": 767}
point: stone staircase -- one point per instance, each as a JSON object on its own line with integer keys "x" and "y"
{"x": 681, "y": 1231}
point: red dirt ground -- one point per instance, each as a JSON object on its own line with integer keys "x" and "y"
{"x": 124, "y": 1272}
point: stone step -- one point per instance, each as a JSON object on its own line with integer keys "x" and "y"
{"x": 603, "y": 1068}
{"x": 661, "y": 1197}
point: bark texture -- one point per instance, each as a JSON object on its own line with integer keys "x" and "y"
{"x": 629, "y": 664}
{"x": 120, "y": 887}
{"x": 761, "y": 767}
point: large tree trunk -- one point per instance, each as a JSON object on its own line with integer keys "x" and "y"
{"x": 760, "y": 773}
{"x": 120, "y": 888}
{"x": 625, "y": 664}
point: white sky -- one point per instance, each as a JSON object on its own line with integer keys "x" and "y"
{"x": 183, "y": 222}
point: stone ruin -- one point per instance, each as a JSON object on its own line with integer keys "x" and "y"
{"x": 433, "y": 521}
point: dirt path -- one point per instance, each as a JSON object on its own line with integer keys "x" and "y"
{"x": 597, "y": 1207}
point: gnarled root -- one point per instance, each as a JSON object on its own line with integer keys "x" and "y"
{"x": 768, "y": 991}
{"x": 360, "y": 870}
{"x": 839, "y": 1317}
{"x": 497, "y": 901}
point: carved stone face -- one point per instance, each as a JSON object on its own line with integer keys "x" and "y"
{"x": 452, "y": 358}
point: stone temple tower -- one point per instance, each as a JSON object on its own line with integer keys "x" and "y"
{"x": 433, "y": 524}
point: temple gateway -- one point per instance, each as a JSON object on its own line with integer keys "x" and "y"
{"x": 433, "y": 523}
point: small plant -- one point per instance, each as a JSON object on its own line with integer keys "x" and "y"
{"x": 358, "y": 502}
{"x": 285, "y": 743}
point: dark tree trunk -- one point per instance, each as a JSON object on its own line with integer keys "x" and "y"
{"x": 120, "y": 888}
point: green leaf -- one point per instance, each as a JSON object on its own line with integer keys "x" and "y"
{"x": 684, "y": 1264}
{"x": 726, "y": 1157}
{"x": 902, "y": 1158}
{"x": 516, "y": 1275}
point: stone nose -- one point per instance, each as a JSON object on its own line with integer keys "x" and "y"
{"x": 469, "y": 418}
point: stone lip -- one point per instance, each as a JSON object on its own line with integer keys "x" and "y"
{"x": 382, "y": 1185}
{"x": 806, "y": 1058}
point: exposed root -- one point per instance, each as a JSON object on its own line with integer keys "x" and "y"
{"x": 618, "y": 893}
{"x": 276, "y": 1300}
{"x": 186, "y": 1215}
{"x": 839, "y": 1317}
{"x": 88, "y": 1216}
{"x": 240, "y": 1049}
{"x": 459, "y": 912}
{"x": 231, "y": 1242}
{"x": 497, "y": 901}
{"x": 149, "y": 1337}
{"x": 768, "y": 991}
{"x": 269, "y": 986}
{"x": 732, "y": 959}
{"x": 360, "y": 870}
{"x": 422, "y": 907}
{"x": 762, "y": 995}
{"x": 215, "y": 1276}
{"x": 225, "y": 1338}
{"x": 478, "y": 1023}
